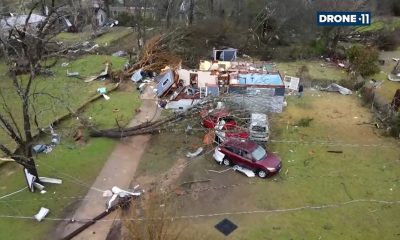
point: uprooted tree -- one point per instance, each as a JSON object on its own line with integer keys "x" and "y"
{"x": 19, "y": 115}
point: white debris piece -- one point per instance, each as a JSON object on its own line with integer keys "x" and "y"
{"x": 41, "y": 214}
{"x": 50, "y": 180}
{"x": 246, "y": 171}
{"x": 118, "y": 192}
{"x": 195, "y": 154}
{"x": 218, "y": 156}
{"x": 38, "y": 186}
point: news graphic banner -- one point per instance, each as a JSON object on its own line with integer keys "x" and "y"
{"x": 343, "y": 18}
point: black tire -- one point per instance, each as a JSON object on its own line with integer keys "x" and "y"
{"x": 226, "y": 162}
{"x": 262, "y": 173}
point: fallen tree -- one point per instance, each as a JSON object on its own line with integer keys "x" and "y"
{"x": 154, "y": 127}
{"x": 156, "y": 54}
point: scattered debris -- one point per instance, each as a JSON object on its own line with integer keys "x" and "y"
{"x": 50, "y": 180}
{"x": 7, "y": 159}
{"x": 246, "y": 171}
{"x": 120, "y": 54}
{"x": 220, "y": 171}
{"x": 64, "y": 64}
{"x": 118, "y": 192}
{"x": 41, "y": 214}
{"x": 42, "y": 148}
{"x": 137, "y": 75}
{"x": 72, "y": 74}
{"x": 195, "y": 154}
{"x": 106, "y": 72}
{"x": 334, "y": 151}
{"x": 103, "y": 92}
{"x": 333, "y": 87}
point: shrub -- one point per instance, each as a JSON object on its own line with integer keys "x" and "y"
{"x": 387, "y": 41}
{"x": 304, "y": 122}
{"x": 363, "y": 59}
{"x": 395, "y": 126}
{"x": 396, "y": 8}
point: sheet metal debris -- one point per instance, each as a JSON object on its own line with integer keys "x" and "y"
{"x": 41, "y": 214}
{"x": 195, "y": 154}
{"x": 333, "y": 87}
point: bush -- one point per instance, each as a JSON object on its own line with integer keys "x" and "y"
{"x": 396, "y": 8}
{"x": 304, "y": 122}
{"x": 395, "y": 126}
{"x": 125, "y": 19}
{"x": 387, "y": 41}
{"x": 363, "y": 59}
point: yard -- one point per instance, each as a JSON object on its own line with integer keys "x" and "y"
{"x": 107, "y": 38}
{"x": 76, "y": 165}
{"x": 70, "y": 91}
{"x": 388, "y": 88}
{"x": 316, "y": 71}
{"x": 317, "y": 195}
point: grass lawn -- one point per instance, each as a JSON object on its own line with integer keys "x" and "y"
{"x": 112, "y": 35}
{"x": 378, "y": 25}
{"x": 388, "y": 88}
{"x": 315, "y": 70}
{"x": 311, "y": 176}
{"x": 73, "y": 92}
{"x": 66, "y": 161}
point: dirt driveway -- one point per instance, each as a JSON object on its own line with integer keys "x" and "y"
{"x": 117, "y": 171}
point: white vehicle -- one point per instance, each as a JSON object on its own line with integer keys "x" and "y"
{"x": 259, "y": 127}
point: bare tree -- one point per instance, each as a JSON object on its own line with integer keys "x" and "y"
{"x": 29, "y": 42}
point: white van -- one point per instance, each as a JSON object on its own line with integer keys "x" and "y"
{"x": 259, "y": 127}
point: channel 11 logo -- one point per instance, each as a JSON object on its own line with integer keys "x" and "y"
{"x": 343, "y": 18}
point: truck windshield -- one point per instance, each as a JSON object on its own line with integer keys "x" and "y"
{"x": 259, "y": 153}
{"x": 259, "y": 129}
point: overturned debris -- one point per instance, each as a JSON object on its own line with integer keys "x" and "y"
{"x": 333, "y": 87}
{"x": 195, "y": 154}
{"x": 41, "y": 214}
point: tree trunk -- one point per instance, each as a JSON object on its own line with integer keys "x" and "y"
{"x": 191, "y": 12}
{"x": 168, "y": 13}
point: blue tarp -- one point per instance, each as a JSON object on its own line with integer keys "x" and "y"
{"x": 102, "y": 90}
{"x": 260, "y": 79}
{"x": 164, "y": 82}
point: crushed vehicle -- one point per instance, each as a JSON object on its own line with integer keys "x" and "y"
{"x": 259, "y": 127}
{"x": 249, "y": 155}
{"x": 224, "y": 124}
{"x": 218, "y": 117}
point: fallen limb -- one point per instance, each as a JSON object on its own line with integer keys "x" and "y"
{"x": 7, "y": 160}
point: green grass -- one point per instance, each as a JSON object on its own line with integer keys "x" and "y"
{"x": 68, "y": 37}
{"x": 114, "y": 34}
{"x": 387, "y": 90}
{"x": 310, "y": 177}
{"x": 315, "y": 70}
{"x": 390, "y": 25}
{"x": 83, "y": 163}
{"x": 165, "y": 149}
{"x": 73, "y": 92}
